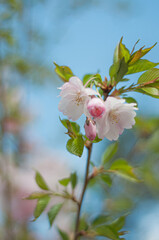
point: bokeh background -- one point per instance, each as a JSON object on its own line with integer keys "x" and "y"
{"x": 81, "y": 34}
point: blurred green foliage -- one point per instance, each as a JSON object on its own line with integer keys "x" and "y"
{"x": 17, "y": 41}
{"x": 19, "y": 66}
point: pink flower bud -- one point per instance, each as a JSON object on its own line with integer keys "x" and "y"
{"x": 96, "y": 107}
{"x": 90, "y": 129}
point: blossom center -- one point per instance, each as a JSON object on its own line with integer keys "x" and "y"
{"x": 113, "y": 117}
{"x": 79, "y": 99}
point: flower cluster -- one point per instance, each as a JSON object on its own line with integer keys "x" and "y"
{"x": 106, "y": 118}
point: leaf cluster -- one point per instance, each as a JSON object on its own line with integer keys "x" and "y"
{"x": 126, "y": 63}
{"x": 75, "y": 144}
{"x": 104, "y": 226}
{"x": 44, "y": 197}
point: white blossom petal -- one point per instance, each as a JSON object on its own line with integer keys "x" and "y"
{"x": 127, "y": 119}
{"x": 102, "y": 125}
{"x": 90, "y": 91}
{"x": 76, "y": 82}
{"x": 114, "y": 132}
{"x": 86, "y": 112}
{"x": 74, "y": 97}
{"x": 117, "y": 117}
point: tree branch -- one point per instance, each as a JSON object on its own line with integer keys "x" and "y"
{"x": 76, "y": 235}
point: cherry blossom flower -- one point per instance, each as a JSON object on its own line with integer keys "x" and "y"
{"x": 74, "y": 97}
{"x": 96, "y": 107}
{"x": 117, "y": 117}
{"x": 90, "y": 129}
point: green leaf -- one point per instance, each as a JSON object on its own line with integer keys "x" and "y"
{"x": 86, "y": 78}
{"x": 139, "y": 54}
{"x": 114, "y": 69}
{"x": 102, "y": 228}
{"x": 100, "y": 220}
{"x": 37, "y": 195}
{"x": 63, "y": 235}
{"x": 41, "y": 205}
{"x": 109, "y": 152}
{"x": 119, "y": 223}
{"x": 76, "y": 145}
{"x": 124, "y": 79}
{"x": 40, "y": 181}
{"x": 83, "y": 225}
{"x": 146, "y": 50}
{"x": 53, "y": 212}
{"x": 118, "y": 70}
{"x": 106, "y": 178}
{"x": 149, "y": 76}
{"x": 123, "y": 169}
{"x": 73, "y": 128}
{"x": 121, "y": 52}
{"x": 151, "y": 91}
{"x": 96, "y": 79}
{"x": 130, "y": 100}
{"x": 64, "y": 181}
{"x": 64, "y": 122}
{"x": 116, "y": 57}
{"x": 63, "y": 72}
{"x": 100, "y": 91}
{"x": 107, "y": 231}
{"x": 140, "y": 66}
{"x": 73, "y": 179}
{"x": 122, "y": 70}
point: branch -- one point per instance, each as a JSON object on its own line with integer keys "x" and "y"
{"x": 76, "y": 235}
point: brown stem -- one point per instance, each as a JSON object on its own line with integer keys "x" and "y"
{"x": 83, "y": 192}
